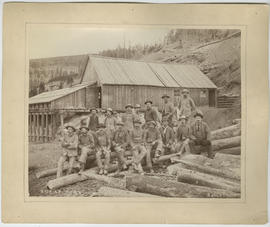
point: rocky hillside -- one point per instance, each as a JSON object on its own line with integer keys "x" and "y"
{"x": 218, "y": 58}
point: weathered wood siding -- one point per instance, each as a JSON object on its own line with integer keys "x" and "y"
{"x": 74, "y": 100}
{"x": 92, "y": 97}
{"x": 117, "y": 96}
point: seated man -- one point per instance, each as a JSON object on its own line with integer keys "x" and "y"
{"x": 201, "y": 135}
{"x": 69, "y": 145}
{"x": 137, "y": 145}
{"x": 120, "y": 140}
{"x": 182, "y": 136}
{"x": 153, "y": 143}
{"x": 86, "y": 146}
{"x": 167, "y": 135}
{"x": 103, "y": 149}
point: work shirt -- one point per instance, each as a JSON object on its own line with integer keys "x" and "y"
{"x": 186, "y": 106}
{"x": 200, "y": 131}
{"x": 128, "y": 119}
{"x": 70, "y": 141}
{"x": 167, "y": 108}
{"x": 167, "y": 135}
{"x": 120, "y": 137}
{"x": 182, "y": 132}
{"x": 93, "y": 122}
{"x": 86, "y": 140}
{"x": 110, "y": 123}
{"x": 103, "y": 139}
{"x": 150, "y": 115}
{"x": 136, "y": 136}
{"x": 151, "y": 135}
{"x": 139, "y": 116}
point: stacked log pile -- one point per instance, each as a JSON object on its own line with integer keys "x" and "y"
{"x": 191, "y": 176}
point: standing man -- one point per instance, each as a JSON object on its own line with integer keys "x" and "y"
{"x": 137, "y": 145}
{"x": 86, "y": 146}
{"x": 93, "y": 120}
{"x": 138, "y": 114}
{"x": 153, "y": 143}
{"x": 150, "y": 113}
{"x": 110, "y": 122}
{"x": 186, "y": 104}
{"x": 103, "y": 150}
{"x": 120, "y": 141}
{"x": 168, "y": 109}
{"x": 201, "y": 135}
{"x": 128, "y": 118}
{"x": 69, "y": 153}
{"x": 167, "y": 135}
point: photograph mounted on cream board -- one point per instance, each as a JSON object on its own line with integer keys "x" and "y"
{"x": 135, "y": 111}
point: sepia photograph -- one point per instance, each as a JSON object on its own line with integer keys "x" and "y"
{"x": 134, "y": 112}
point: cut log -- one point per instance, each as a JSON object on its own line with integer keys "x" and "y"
{"x": 202, "y": 179}
{"x": 226, "y": 173}
{"x": 161, "y": 187}
{"x": 232, "y": 151}
{"x": 226, "y": 143}
{"x": 114, "y": 192}
{"x": 88, "y": 174}
{"x": 227, "y": 132}
{"x": 90, "y": 159}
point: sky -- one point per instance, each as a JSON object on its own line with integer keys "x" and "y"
{"x": 52, "y": 41}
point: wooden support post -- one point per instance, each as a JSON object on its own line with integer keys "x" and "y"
{"x": 42, "y": 134}
{"x": 35, "y": 127}
{"x": 50, "y": 127}
{"x": 46, "y": 128}
{"x": 38, "y": 127}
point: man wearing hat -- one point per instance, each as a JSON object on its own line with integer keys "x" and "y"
{"x": 120, "y": 141}
{"x": 110, "y": 122}
{"x": 138, "y": 114}
{"x": 103, "y": 150}
{"x": 128, "y": 117}
{"x": 86, "y": 146}
{"x": 137, "y": 145}
{"x": 153, "y": 143}
{"x": 201, "y": 136}
{"x": 150, "y": 113}
{"x": 93, "y": 120}
{"x": 168, "y": 108}
{"x": 69, "y": 145}
{"x": 182, "y": 135}
{"x": 167, "y": 135}
{"x": 186, "y": 104}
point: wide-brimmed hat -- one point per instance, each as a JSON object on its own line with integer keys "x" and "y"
{"x": 110, "y": 110}
{"x": 165, "y": 96}
{"x": 100, "y": 126}
{"x": 84, "y": 128}
{"x": 91, "y": 109}
{"x": 119, "y": 123}
{"x": 148, "y": 101}
{"x": 137, "y": 121}
{"x": 185, "y": 91}
{"x": 137, "y": 106}
{"x": 152, "y": 122}
{"x": 198, "y": 113}
{"x": 182, "y": 117}
{"x": 70, "y": 126}
{"x": 128, "y": 105}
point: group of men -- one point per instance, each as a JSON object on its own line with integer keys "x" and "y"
{"x": 144, "y": 134}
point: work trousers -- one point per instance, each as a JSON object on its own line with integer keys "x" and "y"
{"x": 60, "y": 165}
{"x": 120, "y": 156}
{"x": 205, "y": 145}
{"x": 103, "y": 155}
{"x": 85, "y": 151}
{"x": 152, "y": 150}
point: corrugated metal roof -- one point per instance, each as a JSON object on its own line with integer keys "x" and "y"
{"x": 53, "y": 95}
{"x": 130, "y": 72}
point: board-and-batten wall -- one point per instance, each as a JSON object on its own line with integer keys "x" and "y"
{"x": 117, "y": 96}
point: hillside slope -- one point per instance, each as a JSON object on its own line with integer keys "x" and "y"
{"x": 219, "y": 60}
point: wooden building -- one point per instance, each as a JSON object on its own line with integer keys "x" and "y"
{"x": 112, "y": 82}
